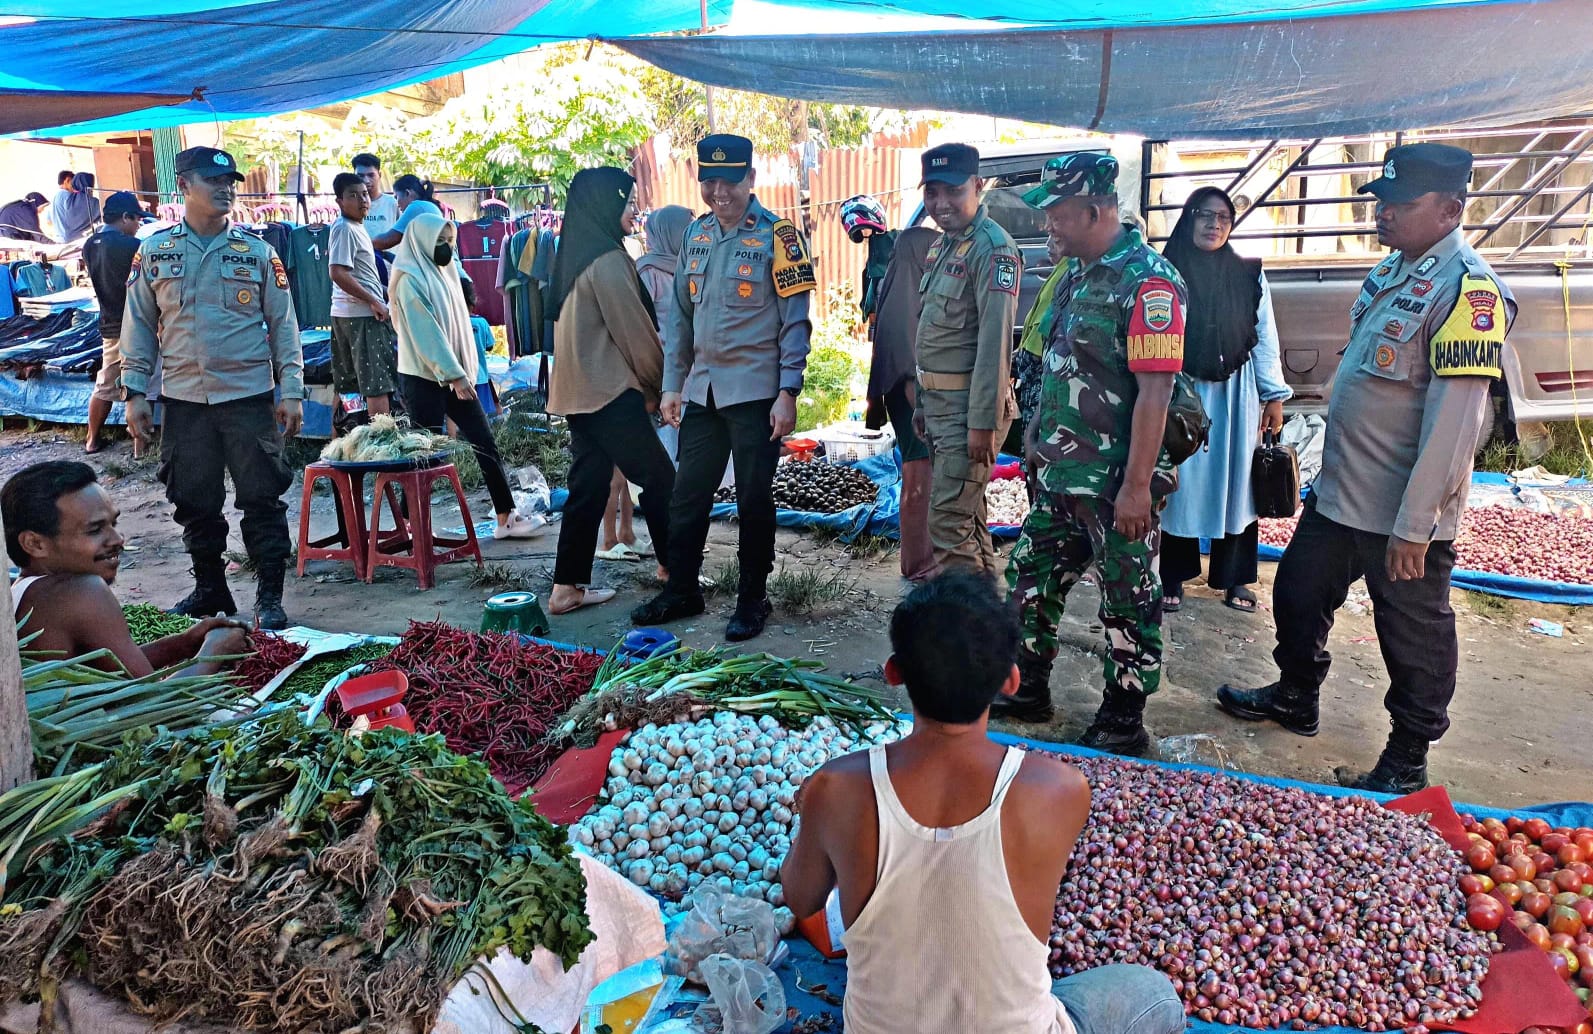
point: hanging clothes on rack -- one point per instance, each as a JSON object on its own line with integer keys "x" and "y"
{"x": 35, "y": 278}
{"x": 522, "y": 293}
{"x": 480, "y": 245}
{"x": 309, "y": 276}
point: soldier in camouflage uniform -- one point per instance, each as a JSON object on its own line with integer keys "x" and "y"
{"x": 1095, "y": 449}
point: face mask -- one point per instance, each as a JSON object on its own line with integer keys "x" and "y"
{"x": 443, "y": 253}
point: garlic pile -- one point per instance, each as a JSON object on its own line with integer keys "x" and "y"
{"x": 1006, "y": 501}
{"x": 712, "y": 799}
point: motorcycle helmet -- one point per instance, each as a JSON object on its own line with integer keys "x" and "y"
{"x": 862, "y": 213}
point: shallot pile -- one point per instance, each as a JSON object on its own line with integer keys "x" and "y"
{"x": 815, "y": 488}
{"x": 1006, "y": 501}
{"x": 711, "y": 799}
{"x": 1508, "y": 540}
{"x": 1269, "y": 905}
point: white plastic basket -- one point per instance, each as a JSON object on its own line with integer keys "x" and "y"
{"x": 850, "y": 442}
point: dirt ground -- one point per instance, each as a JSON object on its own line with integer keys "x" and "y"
{"x": 1522, "y": 719}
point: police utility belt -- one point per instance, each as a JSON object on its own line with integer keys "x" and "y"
{"x": 944, "y": 381}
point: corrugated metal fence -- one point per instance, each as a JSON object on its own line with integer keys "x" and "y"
{"x": 888, "y": 172}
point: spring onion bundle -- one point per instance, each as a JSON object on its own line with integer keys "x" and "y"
{"x": 385, "y": 439}
{"x": 681, "y": 682}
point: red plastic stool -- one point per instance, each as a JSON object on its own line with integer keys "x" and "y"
{"x": 348, "y": 493}
{"x": 411, "y": 543}
{"x": 377, "y": 696}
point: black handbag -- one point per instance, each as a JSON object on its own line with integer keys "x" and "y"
{"x": 1275, "y": 478}
{"x": 1188, "y": 426}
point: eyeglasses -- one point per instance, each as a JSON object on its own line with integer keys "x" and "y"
{"x": 1213, "y": 218}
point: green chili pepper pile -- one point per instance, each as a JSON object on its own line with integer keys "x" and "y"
{"x": 280, "y": 877}
{"x": 312, "y": 677}
{"x": 148, "y": 622}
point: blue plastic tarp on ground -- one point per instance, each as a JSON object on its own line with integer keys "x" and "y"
{"x": 63, "y": 398}
{"x": 884, "y": 470}
{"x": 813, "y": 969}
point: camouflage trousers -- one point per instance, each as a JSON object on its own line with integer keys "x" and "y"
{"x": 1062, "y": 536}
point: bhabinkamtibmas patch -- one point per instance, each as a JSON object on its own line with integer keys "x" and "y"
{"x": 1470, "y": 342}
{"x": 793, "y": 270}
{"x": 1156, "y": 329}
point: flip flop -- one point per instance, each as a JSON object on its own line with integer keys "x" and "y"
{"x": 589, "y": 598}
{"x": 619, "y": 551}
{"x": 94, "y": 451}
{"x": 1171, "y": 604}
{"x": 1236, "y": 597}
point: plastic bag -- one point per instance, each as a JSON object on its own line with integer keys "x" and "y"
{"x": 747, "y": 997}
{"x": 720, "y": 923}
{"x": 533, "y": 497}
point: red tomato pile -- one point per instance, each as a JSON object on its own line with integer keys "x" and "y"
{"x": 1539, "y": 877}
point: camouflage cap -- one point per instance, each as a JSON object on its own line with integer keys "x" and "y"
{"x": 1080, "y": 173}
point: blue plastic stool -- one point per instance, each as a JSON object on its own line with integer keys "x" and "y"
{"x": 642, "y": 643}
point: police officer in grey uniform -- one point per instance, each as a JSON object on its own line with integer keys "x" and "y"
{"x": 1427, "y": 335}
{"x": 733, "y": 369}
{"x": 212, "y": 303}
{"x": 965, "y": 398}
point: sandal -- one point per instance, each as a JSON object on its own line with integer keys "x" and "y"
{"x": 589, "y": 598}
{"x": 1240, "y": 598}
{"x": 1173, "y": 601}
{"x": 618, "y": 551}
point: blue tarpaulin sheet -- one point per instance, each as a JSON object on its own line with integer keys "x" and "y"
{"x": 812, "y": 969}
{"x": 884, "y": 470}
{"x": 63, "y": 398}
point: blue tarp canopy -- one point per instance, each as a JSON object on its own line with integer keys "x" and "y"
{"x": 1183, "y": 68}
{"x": 254, "y": 59}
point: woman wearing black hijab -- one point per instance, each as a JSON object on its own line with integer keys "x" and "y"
{"x": 608, "y": 373}
{"x": 1231, "y": 351}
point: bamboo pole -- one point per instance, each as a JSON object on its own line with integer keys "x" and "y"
{"x": 16, "y": 741}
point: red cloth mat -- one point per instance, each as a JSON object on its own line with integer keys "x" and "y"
{"x": 1521, "y": 989}
{"x": 571, "y": 784}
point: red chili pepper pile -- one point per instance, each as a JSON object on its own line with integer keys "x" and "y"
{"x": 490, "y": 693}
{"x": 271, "y": 654}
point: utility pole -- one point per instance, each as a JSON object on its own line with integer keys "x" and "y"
{"x": 702, "y": 9}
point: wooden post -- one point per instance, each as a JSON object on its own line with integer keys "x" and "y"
{"x": 16, "y": 740}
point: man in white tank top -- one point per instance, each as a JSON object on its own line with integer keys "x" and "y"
{"x": 948, "y": 850}
{"x": 61, "y": 532}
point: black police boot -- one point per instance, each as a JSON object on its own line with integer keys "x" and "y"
{"x": 1401, "y": 770}
{"x": 669, "y": 605}
{"x": 1119, "y": 726}
{"x": 1293, "y": 707}
{"x": 211, "y": 595}
{"x": 268, "y": 612}
{"x": 1032, "y": 701}
{"x": 752, "y": 607}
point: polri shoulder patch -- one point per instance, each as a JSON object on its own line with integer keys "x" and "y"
{"x": 792, "y": 269}
{"x": 138, "y": 265}
{"x": 1470, "y": 342}
{"x": 279, "y": 273}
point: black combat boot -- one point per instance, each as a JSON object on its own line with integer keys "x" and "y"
{"x": 211, "y": 595}
{"x": 1119, "y": 726}
{"x": 669, "y": 605}
{"x": 268, "y": 612}
{"x": 752, "y": 608}
{"x": 1401, "y": 770}
{"x": 1032, "y": 701}
{"x": 1293, "y": 707}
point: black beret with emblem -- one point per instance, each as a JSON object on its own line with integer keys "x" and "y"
{"x": 208, "y": 162}
{"x": 1411, "y": 170}
{"x": 724, "y": 156}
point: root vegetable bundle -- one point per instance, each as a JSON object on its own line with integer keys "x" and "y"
{"x": 490, "y": 693}
{"x": 815, "y": 488}
{"x": 278, "y": 877}
{"x": 1507, "y": 540}
{"x": 385, "y": 440}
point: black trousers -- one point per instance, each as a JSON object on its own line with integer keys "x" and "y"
{"x": 429, "y": 403}
{"x": 1233, "y": 559}
{"x": 1415, "y": 625}
{"x": 621, "y": 434}
{"x": 709, "y": 435}
{"x": 199, "y": 444}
